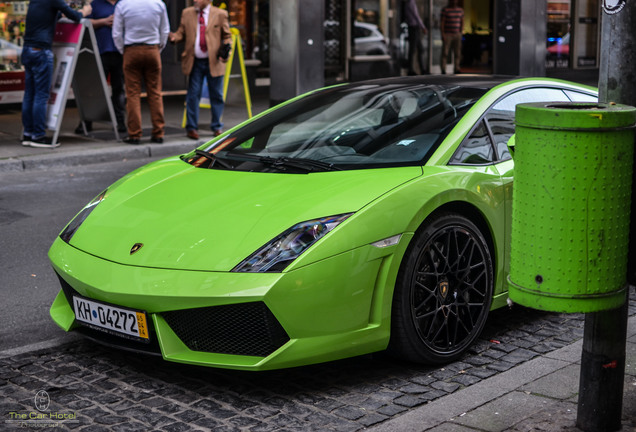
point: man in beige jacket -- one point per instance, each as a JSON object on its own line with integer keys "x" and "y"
{"x": 205, "y": 29}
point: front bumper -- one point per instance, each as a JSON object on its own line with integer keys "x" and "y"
{"x": 335, "y": 308}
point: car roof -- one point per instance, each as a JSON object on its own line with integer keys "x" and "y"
{"x": 476, "y": 81}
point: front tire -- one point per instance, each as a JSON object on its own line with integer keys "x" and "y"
{"x": 443, "y": 291}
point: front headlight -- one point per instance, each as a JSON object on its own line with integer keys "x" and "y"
{"x": 70, "y": 229}
{"x": 281, "y": 251}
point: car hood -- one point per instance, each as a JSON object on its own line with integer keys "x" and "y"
{"x": 211, "y": 220}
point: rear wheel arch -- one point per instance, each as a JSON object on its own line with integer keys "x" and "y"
{"x": 475, "y": 215}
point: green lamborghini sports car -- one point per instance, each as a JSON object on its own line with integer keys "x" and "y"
{"x": 356, "y": 218}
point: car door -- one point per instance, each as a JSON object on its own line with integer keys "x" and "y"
{"x": 487, "y": 144}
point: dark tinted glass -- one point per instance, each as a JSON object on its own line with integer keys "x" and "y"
{"x": 348, "y": 127}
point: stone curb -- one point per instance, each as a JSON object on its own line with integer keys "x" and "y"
{"x": 84, "y": 157}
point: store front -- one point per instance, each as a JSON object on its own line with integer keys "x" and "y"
{"x": 573, "y": 34}
{"x": 479, "y": 32}
{"x": 365, "y": 39}
{"x": 12, "y": 16}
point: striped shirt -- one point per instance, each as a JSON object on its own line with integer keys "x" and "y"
{"x": 452, "y": 20}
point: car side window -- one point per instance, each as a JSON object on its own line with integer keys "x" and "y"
{"x": 501, "y": 117}
{"x": 476, "y": 149}
{"x": 509, "y": 102}
{"x": 502, "y": 128}
{"x": 580, "y": 97}
{"x": 360, "y": 32}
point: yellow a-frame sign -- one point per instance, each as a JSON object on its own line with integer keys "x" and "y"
{"x": 237, "y": 47}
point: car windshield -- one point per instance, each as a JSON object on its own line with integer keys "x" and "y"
{"x": 343, "y": 128}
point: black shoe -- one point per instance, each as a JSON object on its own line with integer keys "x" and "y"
{"x": 26, "y": 140}
{"x": 157, "y": 140}
{"x": 129, "y": 140}
{"x": 79, "y": 130}
{"x": 44, "y": 142}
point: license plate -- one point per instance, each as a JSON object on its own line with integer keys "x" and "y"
{"x": 111, "y": 318}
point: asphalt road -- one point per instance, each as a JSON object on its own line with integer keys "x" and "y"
{"x": 34, "y": 207}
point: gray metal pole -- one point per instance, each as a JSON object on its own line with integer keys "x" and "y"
{"x": 617, "y": 79}
{"x": 603, "y": 357}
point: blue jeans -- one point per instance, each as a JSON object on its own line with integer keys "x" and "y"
{"x": 38, "y": 71}
{"x": 200, "y": 71}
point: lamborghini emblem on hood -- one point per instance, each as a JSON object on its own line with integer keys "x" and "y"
{"x": 136, "y": 247}
{"x": 443, "y": 288}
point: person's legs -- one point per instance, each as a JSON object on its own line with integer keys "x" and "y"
{"x": 215, "y": 88}
{"x": 112, "y": 63}
{"x": 38, "y": 73}
{"x": 420, "y": 56}
{"x": 133, "y": 76}
{"x": 193, "y": 96}
{"x": 445, "y": 51}
{"x": 29, "y": 94}
{"x": 152, "y": 78}
{"x": 414, "y": 36}
{"x": 457, "y": 49}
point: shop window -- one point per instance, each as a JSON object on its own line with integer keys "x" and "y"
{"x": 12, "y": 17}
{"x": 586, "y": 34}
{"x": 368, "y": 33}
{"x": 558, "y": 41}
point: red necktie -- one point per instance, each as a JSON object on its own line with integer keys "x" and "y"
{"x": 202, "y": 44}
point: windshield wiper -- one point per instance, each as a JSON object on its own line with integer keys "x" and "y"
{"x": 283, "y": 162}
{"x": 214, "y": 159}
{"x": 298, "y": 163}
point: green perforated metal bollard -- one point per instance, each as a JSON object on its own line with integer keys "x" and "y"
{"x": 571, "y": 204}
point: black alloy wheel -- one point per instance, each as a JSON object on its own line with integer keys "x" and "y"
{"x": 443, "y": 291}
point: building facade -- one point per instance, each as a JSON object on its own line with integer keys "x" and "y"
{"x": 367, "y": 38}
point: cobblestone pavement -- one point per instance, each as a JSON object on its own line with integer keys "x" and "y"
{"x": 100, "y": 389}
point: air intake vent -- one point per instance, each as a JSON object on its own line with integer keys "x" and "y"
{"x": 242, "y": 329}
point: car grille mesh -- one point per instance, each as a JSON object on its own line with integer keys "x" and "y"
{"x": 242, "y": 329}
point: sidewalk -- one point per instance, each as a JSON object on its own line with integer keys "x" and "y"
{"x": 538, "y": 395}
{"x": 102, "y": 146}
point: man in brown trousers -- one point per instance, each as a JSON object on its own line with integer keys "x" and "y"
{"x": 206, "y": 32}
{"x": 140, "y": 32}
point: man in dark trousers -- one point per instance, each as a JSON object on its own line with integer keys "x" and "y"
{"x": 37, "y": 59}
{"x": 207, "y": 36}
{"x": 416, "y": 28}
{"x": 112, "y": 60}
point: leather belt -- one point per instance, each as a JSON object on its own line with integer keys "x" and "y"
{"x": 140, "y": 44}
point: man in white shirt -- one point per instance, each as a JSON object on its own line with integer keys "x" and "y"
{"x": 140, "y": 32}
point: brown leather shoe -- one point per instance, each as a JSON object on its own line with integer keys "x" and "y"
{"x": 217, "y": 132}
{"x": 192, "y": 134}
